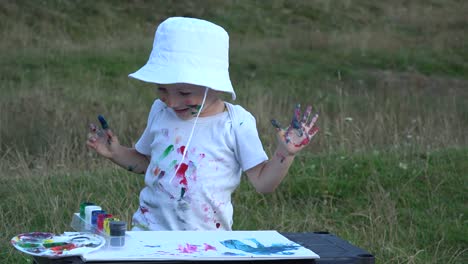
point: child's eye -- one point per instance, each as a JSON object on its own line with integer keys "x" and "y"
{"x": 162, "y": 90}
{"x": 184, "y": 93}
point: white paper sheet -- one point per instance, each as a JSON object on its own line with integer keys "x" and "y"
{"x": 203, "y": 245}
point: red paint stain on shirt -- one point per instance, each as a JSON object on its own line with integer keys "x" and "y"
{"x": 181, "y": 173}
{"x": 181, "y": 150}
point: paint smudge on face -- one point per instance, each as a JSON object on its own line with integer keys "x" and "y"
{"x": 260, "y": 249}
{"x": 195, "y": 108}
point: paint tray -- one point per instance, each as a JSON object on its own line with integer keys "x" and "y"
{"x": 80, "y": 225}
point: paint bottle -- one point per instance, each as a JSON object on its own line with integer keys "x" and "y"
{"x": 82, "y": 208}
{"x": 117, "y": 233}
{"x": 88, "y": 212}
{"x": 106, "y": 225}
{"x": 94, "y": 216}
{"x": 100, "y": 221}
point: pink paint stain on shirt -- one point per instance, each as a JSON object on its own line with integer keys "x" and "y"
{"x": 188, "y": 248}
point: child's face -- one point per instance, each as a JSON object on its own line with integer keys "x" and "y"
{"x": 186, "y": 99}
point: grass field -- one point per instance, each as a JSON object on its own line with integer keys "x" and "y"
{"x": 388, "y": 170}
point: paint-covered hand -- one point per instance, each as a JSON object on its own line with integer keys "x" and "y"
{"x": 102, "y": 140}
{"x": 299, "y": 133}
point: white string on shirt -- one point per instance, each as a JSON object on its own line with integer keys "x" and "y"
{"x": 190, "y": 136}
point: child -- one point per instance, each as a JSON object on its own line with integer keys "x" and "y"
{"x": 195, "y": 145}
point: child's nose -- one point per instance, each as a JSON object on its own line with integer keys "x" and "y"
{"x": 171, "y": 101}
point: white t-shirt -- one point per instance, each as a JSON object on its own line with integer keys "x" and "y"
{"x": 198, "y": 196}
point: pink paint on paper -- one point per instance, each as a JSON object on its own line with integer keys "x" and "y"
{"x": 188, "y": 248}
{"x": 209, "y": 247}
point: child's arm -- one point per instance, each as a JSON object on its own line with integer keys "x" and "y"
{"x": 267, "y": 176}
{"x": 105, "y": 143}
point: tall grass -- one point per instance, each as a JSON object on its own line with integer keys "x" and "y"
{"x": 387, "y": 171}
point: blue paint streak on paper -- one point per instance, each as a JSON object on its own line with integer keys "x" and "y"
{"x": 281, "y": 249}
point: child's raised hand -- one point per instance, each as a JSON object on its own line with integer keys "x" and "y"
{"x": 299, "y": 132}
{"x": 102, "y": 140}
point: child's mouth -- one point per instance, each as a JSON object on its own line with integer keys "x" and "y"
{"x": 180, "y": 111}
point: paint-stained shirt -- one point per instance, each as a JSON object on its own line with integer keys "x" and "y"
{"x": 194, "y": 193}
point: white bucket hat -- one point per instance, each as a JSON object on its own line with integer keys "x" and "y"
{"x": 189, "y": 50}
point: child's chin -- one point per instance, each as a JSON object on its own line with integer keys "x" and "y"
{"x": 184, "y": 116}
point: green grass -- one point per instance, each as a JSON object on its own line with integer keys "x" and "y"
{"x": 387, "y": 170}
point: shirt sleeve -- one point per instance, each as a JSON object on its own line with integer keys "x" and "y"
{"x": 143, "y": 144}
{"x": 249, "y": 148}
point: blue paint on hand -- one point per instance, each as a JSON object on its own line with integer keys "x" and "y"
{"x": 103, "y": 122}
{"x": 275, "y": 123}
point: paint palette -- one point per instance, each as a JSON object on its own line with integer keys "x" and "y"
{"x": 55, "y": 246}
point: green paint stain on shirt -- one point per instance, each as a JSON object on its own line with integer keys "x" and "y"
{"x": 166, "y": 152}
{"x": 173, "y": 164}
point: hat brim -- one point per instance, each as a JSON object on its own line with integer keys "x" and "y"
{"x": 163, "y": 74}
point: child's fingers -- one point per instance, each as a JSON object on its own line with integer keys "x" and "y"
{"x": 313, "y": 120}
{"x": 109, "y": 133}
{"x": 313, "y": 131}
{"x": 92, "y": 127}
{"x": 276, "y": 124}
{"x": 297, "y": 115}
{"x": 306, "y": 115}
{"x": 103, "y": 122}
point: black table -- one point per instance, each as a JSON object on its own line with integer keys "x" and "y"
{"x": 329, "y": 247}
